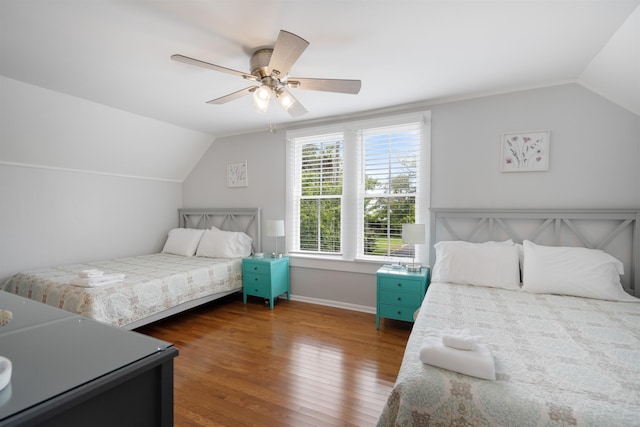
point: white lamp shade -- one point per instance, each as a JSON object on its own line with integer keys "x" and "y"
{"x": 275, "y": 227}
{"x": 413, "y": 233}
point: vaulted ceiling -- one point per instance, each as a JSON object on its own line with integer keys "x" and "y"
{"x": 89, "y": 84}
{"x": 117, "y": 53}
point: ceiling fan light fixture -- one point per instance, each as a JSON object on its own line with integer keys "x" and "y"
{"x": 285, "y": 100}
{"x": 261, "y": 98}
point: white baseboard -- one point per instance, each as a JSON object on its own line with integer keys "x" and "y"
{"x": 336, "y": 304}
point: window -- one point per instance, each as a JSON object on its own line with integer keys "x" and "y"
{"x": 351, "y": 187}
{"x": 390, "y": 172}
{"x": 320, "y": 195}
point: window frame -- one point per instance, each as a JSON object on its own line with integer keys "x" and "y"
{"x": 352, "y": 208}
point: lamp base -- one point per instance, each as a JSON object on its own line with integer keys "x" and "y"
{"x": 414, "y": 268}
{"x": 276, "y": 255}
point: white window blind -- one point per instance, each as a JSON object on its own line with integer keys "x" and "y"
{"x": 352, "y": 186}
{"x": 320, "y": 165}
{"x": 391, "y": 159}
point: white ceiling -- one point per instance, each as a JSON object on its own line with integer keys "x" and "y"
{"x": 116, "y": 52}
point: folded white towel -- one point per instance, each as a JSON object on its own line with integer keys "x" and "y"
{"x": 476, "y": 363}
{"x": 90, "y": 273}
{"x": 460, "y": 339}
{"x": 90, "y": 282}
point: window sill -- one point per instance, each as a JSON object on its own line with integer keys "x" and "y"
{"x": 335, "y": 264}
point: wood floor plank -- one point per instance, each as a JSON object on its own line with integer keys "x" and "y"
{"x": 297, "y": 365}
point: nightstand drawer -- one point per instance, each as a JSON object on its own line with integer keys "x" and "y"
{"x": 397, "y": 312}
{"x": 400, "y": 284}
{"x": 256, "y": 267}
{"x": 257, "y": 286}
{"x": 401, "y": 298}
{"x": 251, "y": 279}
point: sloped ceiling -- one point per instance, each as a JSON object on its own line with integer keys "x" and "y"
{"x": 115, "y": 53}
{"x": 615, "y": 71}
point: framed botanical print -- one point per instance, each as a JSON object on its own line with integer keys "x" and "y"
{"x": 237, "y": 174}
{"x": 525, "y": 151}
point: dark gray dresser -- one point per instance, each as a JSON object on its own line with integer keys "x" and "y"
{"x": 72, "y": 371}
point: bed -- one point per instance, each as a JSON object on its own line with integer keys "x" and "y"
{"x": 158, "y": 285}
{"x": 559, "y": 359}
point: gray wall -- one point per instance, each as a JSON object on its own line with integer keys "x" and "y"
{"x": 594, "y": 155}
{"x": 264, "y": 152}
{"x": 51, "y": 217}
{"x": 594, "y": 151}
{"x": 82, "y": 181}
{"x": 46, "y": 128}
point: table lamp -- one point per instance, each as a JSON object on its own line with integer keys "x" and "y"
{"x": 413, "y": 234}
{"x": 275, "y": 228}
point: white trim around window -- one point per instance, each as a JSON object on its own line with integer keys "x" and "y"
{"x": 352, "y": 206}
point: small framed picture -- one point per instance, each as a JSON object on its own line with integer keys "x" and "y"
{"x": 525, "y": 151}
{"x": 237, "y": 174}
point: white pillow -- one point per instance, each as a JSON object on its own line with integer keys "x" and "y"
{"x": 582, "y": 272}
{"x": 224, "y": 244}
{"x": 492, "y": 264}
{"x": 182, "y": 241}
{"x": 496, "y": 243}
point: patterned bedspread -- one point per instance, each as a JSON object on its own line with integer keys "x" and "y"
{"x": 153, "y": 284}
{"x": 559, "y": 361}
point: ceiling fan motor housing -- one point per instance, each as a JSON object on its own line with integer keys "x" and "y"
{"x": 259, "y": 63}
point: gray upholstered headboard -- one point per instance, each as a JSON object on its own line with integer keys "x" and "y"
{"x": 229, "y": 219}
{"x": 614, "y": 231}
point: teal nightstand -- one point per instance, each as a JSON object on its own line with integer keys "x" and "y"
{"x": 265, "y": 277}
{"x": 399, "y": 292}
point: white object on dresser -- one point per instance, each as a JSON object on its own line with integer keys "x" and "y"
{"x": 5, "y": 372}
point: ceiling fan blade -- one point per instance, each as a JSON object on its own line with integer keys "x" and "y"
{"x": 325, "y": 85}
{"x": 233, "y": 96}
{"x": 197, "y": 62}
{"x": 290, "y": 103}
{"x": 286, "y": 52}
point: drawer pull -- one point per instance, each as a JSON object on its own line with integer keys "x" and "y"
{"x": 399, "y": 298}
{"x": 399, "y": 285}
{"x": 399, "y": 312}
{"x": 255, "y": 268}
{"x": 255, "y": 290}
{"x": 256, "y": 279}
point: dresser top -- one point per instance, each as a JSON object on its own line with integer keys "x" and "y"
{"x": 53, "y": 351}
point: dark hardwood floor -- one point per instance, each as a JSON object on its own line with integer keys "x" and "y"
{"x": 297, "y": 365}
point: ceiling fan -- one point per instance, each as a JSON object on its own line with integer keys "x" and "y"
{"x": 270, "y": 72}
